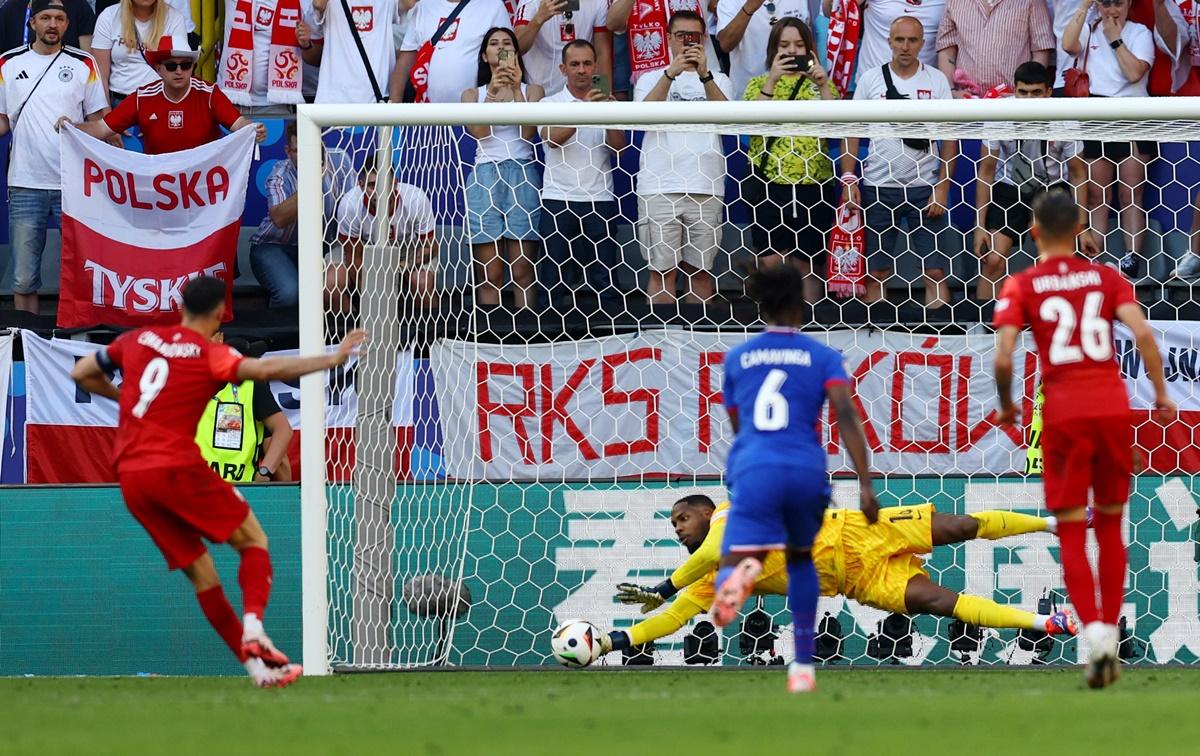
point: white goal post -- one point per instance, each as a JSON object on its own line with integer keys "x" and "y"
{"x": 1119, "y": 119}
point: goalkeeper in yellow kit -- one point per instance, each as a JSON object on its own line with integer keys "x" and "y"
{"x": 877, "y": 565}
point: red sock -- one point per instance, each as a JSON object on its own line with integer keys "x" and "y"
{"x": 221, "y": 616}
{"x": 254, "y": 575}
{"x": 1113, "y": 561}
{"x": 1077, "y": 572}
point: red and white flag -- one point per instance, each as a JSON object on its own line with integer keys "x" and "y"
{"x": 136, "y": 228}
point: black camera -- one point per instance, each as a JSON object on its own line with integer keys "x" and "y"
{"x": 892, "y": 640}
{"x": 638, "y": 656}
{"x": 702, "y": 645}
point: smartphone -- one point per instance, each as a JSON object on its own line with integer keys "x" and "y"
{"x": 572, "y": 6}
{"x": 504, "y": 56}
{"x": 692, "y": 38}
{"x": 600, "y": 81}
{"x": 801, "y": 63}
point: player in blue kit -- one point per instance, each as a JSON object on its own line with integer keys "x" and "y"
{"x": 775, "y": 386}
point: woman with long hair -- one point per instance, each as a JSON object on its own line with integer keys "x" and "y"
{"x": 790, "y": 188}
{"x": 503, "y": 202}
{"x": 123, "y": 33}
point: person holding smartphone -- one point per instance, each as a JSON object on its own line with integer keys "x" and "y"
{"x": 790, "y": 189}
{"x": 545, "y": 27}
{"x": 681, "y": 178}
{"x": 503, "y": 208}
{"x": 579, "y": 209}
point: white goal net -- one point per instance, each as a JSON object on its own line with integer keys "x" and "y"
{"x": 547, "y": 329}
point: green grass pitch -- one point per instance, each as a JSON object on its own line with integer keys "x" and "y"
{"x": 658, "y": 713}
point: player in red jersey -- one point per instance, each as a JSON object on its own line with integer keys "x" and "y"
{"x": 170, "y": 373}
{"x": 1070, "y": 303}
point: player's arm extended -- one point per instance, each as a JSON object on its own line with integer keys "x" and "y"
{"x": 1006, "y": 344}
{"x": 288, "y": 368}
{"x": 90, "y": 377}
{"x": 1131, "y": 315}
{"x": 855, "y": 441}
{"x": 676, "y": 616}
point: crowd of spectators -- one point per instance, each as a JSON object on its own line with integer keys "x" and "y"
{"x": 539, "y": 200}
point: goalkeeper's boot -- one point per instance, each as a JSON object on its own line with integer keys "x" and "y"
{"x": 802, "y": 678}
{"x": 260, "y": 647}
{"x": 734, "y": 591}
{"x": 1062, "y": 623}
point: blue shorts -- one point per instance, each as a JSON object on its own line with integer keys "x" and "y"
{"x": 503, "y": 202}
{"x": 776, "y": 507}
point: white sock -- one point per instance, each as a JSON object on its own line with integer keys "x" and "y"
{"x": 1051, "y": 524}
{"x": 1039, "y": 621}
{"x": 252, "y": 626}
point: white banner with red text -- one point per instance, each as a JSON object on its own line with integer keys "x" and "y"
{"x": 69, "y": 433}
{"x": 651, "y": 404}
{"x": 136, "y": 228}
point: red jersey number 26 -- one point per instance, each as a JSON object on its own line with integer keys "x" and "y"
{"x": 154, "y": 377}
{"x": 1095, "y": 332}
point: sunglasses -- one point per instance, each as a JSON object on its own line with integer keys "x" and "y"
{"x": 1110, "y": 3}
{"x": 771, "y": 12}
{"x": 177, "y": 65}
{"x": 569, "y": 26}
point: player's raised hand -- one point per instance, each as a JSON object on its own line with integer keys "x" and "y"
{"x": 631, "y": 593}
{"x": 869, "y": 504}
{"x": 352, "y": 342}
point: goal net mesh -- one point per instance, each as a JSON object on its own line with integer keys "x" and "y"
{"x": 509, "y": 447}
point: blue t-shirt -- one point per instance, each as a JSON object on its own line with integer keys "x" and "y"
{"x": 776, "y": 383}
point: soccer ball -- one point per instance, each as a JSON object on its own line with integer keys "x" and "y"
{"x": 575, "y": 643}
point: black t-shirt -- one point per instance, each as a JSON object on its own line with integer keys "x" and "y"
{"x": 15, "y": 31}
{"x": 264, "y": 401}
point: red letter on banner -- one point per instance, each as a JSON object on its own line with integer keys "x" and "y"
{"x": 91, "y": 175}
{"x": 554, "y": 410}
{"x": 647, "y": 396}
{"x": 945, "y": 366}
{"x": 485, "y": 407}
{"x": 967, "y": 436}
{"x": 708, "y": 397}
{"x": 868, "y": 427}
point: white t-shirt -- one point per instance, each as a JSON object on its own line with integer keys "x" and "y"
{"x": 1104, "y": 72}
{"x": 129, "y": 69}
{"x": 877, "y": 20}
{"x": 455, "y": 59}
{"x": 72, "y": 89}
{"x": 504, "y": 142}
{"x": 889, "y": 162}
{"x": 263, "y": 21}
{"x": 543, "y": 58}
{"x": 580, "y": 170}
{"x": 343, "y": 78}
{"x": 681, "y": 162}
{"x": 1060, "y": 13}
{"x": 413, "y": 217}
{"x": 1050, "y": 167}
{"x": 749, "y": 58}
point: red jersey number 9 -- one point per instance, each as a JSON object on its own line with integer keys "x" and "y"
{"x": 154, "y": 377}
{"x": 1095, "y": 332}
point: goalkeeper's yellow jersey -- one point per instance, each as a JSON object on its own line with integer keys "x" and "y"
{"x": 696, "y": 576}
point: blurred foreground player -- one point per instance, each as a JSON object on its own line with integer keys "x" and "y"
{"x": 876, "y": 565}
{"x": 1087, "y": 438}
{"x": 775, "y": 386}
{"x": 170, "y": 373}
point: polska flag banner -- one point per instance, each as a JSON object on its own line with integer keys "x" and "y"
{"x": 69, "y": 433}
{"x": 136, "y": 228}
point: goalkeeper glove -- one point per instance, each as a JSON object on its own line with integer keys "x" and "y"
{"x": 630, "y": 593}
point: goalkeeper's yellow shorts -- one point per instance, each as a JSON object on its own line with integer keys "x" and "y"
{"x": 880, "y": 559}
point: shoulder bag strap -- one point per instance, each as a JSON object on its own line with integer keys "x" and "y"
{"x": 769, "y": 142}
{"x": 410, "y": 93}
{"x": 362, "y": 51}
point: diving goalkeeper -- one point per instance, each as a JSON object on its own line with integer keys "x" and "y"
{"x": 876, "y": 565}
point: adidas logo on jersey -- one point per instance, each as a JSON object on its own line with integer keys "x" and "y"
{"x": 153, "y": 117}
{"x": 22, "y": 75}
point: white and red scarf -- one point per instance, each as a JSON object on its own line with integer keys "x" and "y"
{"x": 845, "y": 27}
{"x": 648, "y": 50}
{"x": 284, "y": 70}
